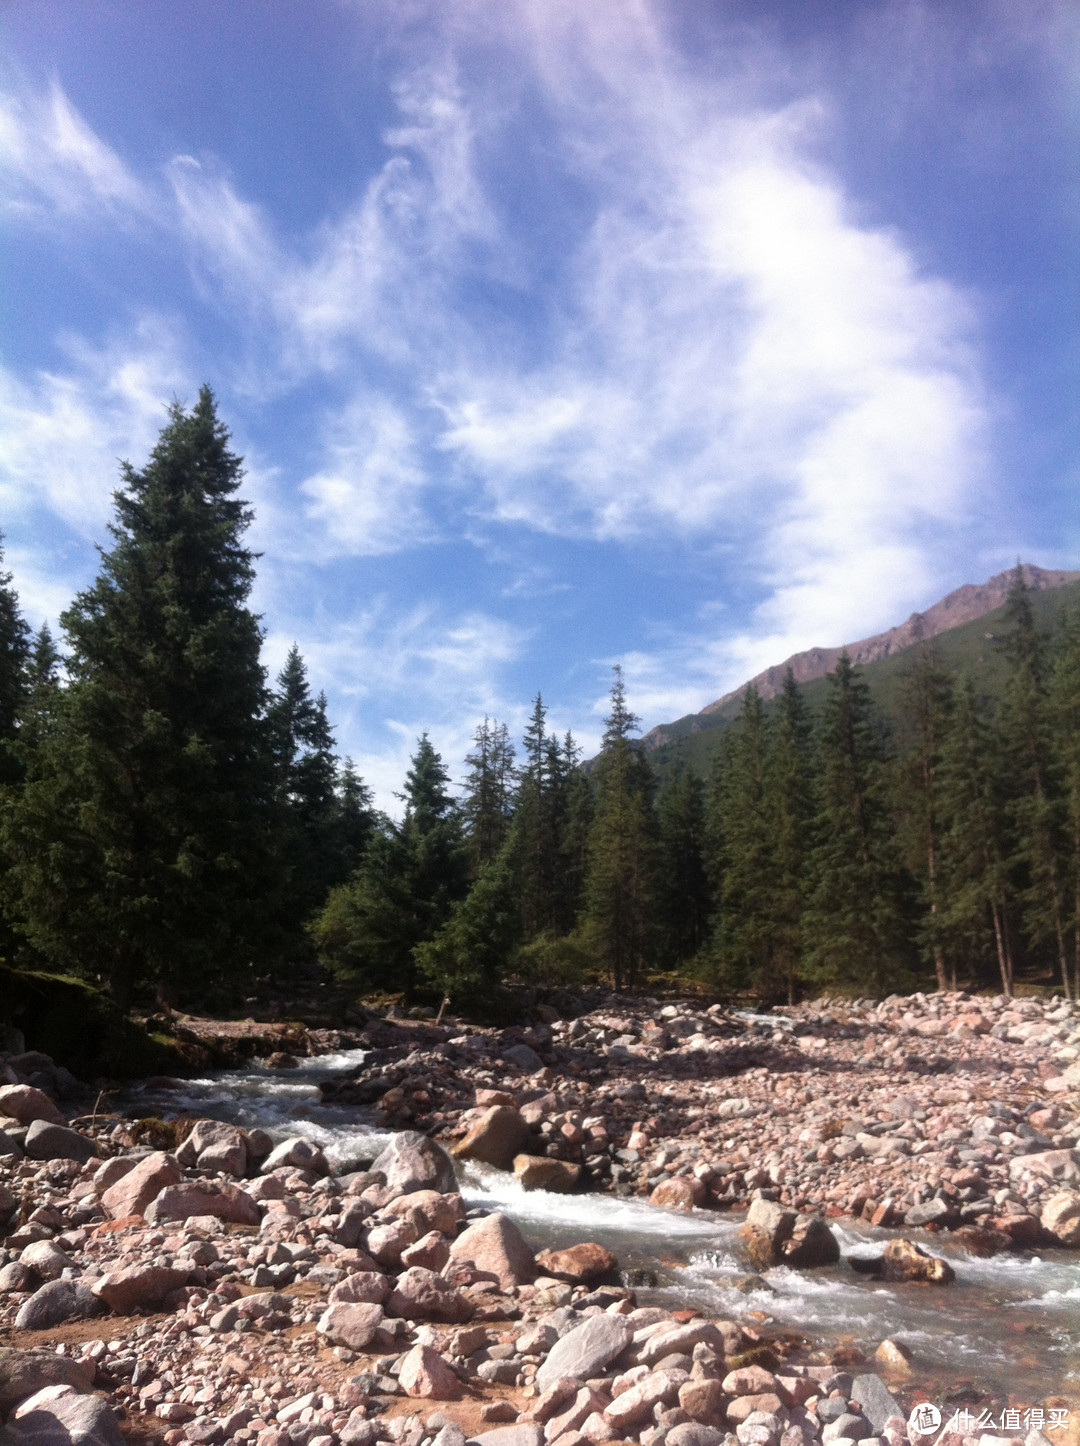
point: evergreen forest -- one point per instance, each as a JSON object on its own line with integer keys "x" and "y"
{"x": 175, "y": 824}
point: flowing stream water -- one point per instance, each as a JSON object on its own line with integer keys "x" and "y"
{"x": 1008, "y": 1327}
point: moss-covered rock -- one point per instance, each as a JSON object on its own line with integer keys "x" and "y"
{"x": 80, "y": 1027}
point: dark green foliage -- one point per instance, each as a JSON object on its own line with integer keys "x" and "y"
{"x": 972, "y": 928}
{"x": 1035, "y": 802}
{"x": 489, "y": 791}
{"x": 470, "y": 956}
{"x": 925, "y": 707}
{"x": 1064, "y": 708}
{"x": 620, "y": 888}
{"x": 404, "y": 891}
{"x": 684, "y": 902}
{"x": 15, "y": 651}
{"x": 854, "y": 924}
{"x": 321, "y": 815}
{"x": 141, "y": 845}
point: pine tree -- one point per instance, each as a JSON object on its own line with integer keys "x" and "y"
{"x": 1035, "y": 806}
{"x": 575, "y": 808}
{"x": 620, "y": 889}
{"x": 141, "y": 843}
{"x": 14, "y": 657}
{"x": 973, "y": 855}
{"x": 854, "y": 924}
{"x": 925, "y": 706}
{"x": 1064, "y": 703}
{"x": 405, "y": 889}
{"x": 683, "y": 900}
{"x": 536, "y": 843}
{"x": 471, "y": 954}
{"x": 488, "y": 803}
{"x": 789, "y": 810}
{"x": 310, "y": 838}
{"x": 357, "y": 818}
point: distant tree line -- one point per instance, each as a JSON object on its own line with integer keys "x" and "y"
{"x": 173, "y": 822}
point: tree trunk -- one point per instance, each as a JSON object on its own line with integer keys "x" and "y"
{"x": 1004, "y": 961}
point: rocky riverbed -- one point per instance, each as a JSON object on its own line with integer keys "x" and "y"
{"x": 201, "y": 1282}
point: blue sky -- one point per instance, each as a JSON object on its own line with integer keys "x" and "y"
{"x": 553, "y": 333}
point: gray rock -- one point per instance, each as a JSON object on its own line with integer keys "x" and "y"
{"x": 112, "y": 1170}
{"x": 877, "y": 1402}
{"x": 46, "y": 1260}
{"x": 930, "y": 1212}
{"x": 847, "y": 1428}
{"x": 15, "y": 1276}
{"x": 71, "y": 1420}
{"x": 24, "y": 1373}
{"x": 520, "y": 1435}
{"x": 55, "y": 1302}
{"x": 586, "y": 1349}
{"x": 48, "y": 1141}
{"x": 525, "y": 1057}
{"x": 693, "y": 1433}
{"x": 299, "y": 1153}
{"x": 412, "y": 1162}
{"x": 10, "y": 1146}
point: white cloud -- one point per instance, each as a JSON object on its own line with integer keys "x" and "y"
{"x": 53, "y": 162}
{"x": 62, "y": 434}
{"x": 418, "y": 669}
{"x": 367, "y": 497}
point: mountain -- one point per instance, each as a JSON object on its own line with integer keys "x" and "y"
{"x": 960, "y": 620}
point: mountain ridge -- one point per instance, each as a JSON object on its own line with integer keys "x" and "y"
{"x": 965, "y": 604}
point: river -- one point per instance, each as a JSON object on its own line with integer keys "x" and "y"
{"x": 1008, "y": 1327}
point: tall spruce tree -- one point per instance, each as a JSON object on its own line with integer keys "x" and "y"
{"x": 683, "y": 899}
{"x": 310, "y": 838}
{"x": 855, "y": 928}
{"x": 925, "y": 705}
{"x": 489, "y": 791}
{"x": 973, "y": 854}
{"x": 14, "y": 658}
{"x": 744, "y": 944}
{"x": 620, "y": 889}
{"x": 405, "y": 889}
{"x": 1064, "y": 702}
{"x": 535, "y": 831}
{"x": 1035, "y": 804}
{"x": 141, "y": 843}
{"x": 789, "y": 810}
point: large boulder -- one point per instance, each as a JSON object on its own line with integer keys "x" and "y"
{"x": 26, "y": 1104}
{"x": 24, "y": 1373}
{"x": 540, "y": 1172}
{"x": 133, "y": 1287}
{"x": 65, "y": 1420}
{"x": 46, "y": 1259}
{"x": 428, "y": 1210}
{"x": 412, "y": 1162}
{"x": 225, "y": 1202}
{"x": 497, "y": 1136}
{"x": 680, "y": 1192}
{"x": 422, "y": 1295}
{"x": 350, "y": 1325}
{"x": 1062, "y": 1167}
{"x": 496, "y": 1247}
{"x": 680, "y": 1340}
{"x": 578, "y": 1264}
{"x": 877, "y": 1401}
{"x": 634, "y": 1405}
{"x": 297, "y": 1153}
{"x": 764, "y": 1231}
{"x": 584, "y": 1352}
{"x": 904, "y": 1260}
{"x": 362, "y": 1287}
{"x": 213, "y": 1145}
{"x": 46, "y": 1140}
{"x": 424, "y": 1374}
{"x": 55, "y": 1302}
{"x": 133, "y": 1192}
{"x": 1061, "y": 1217}
{"x": 811, "y": 1243}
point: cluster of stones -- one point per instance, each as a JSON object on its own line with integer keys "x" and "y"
{"x": 235, "y": 1291}
{"x": 942, "y": 1111}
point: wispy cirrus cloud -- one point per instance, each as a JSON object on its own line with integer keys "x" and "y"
{"x": 53, "y": 164}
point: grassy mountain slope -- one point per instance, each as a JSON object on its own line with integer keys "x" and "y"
{"x": 971, "y": 648}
